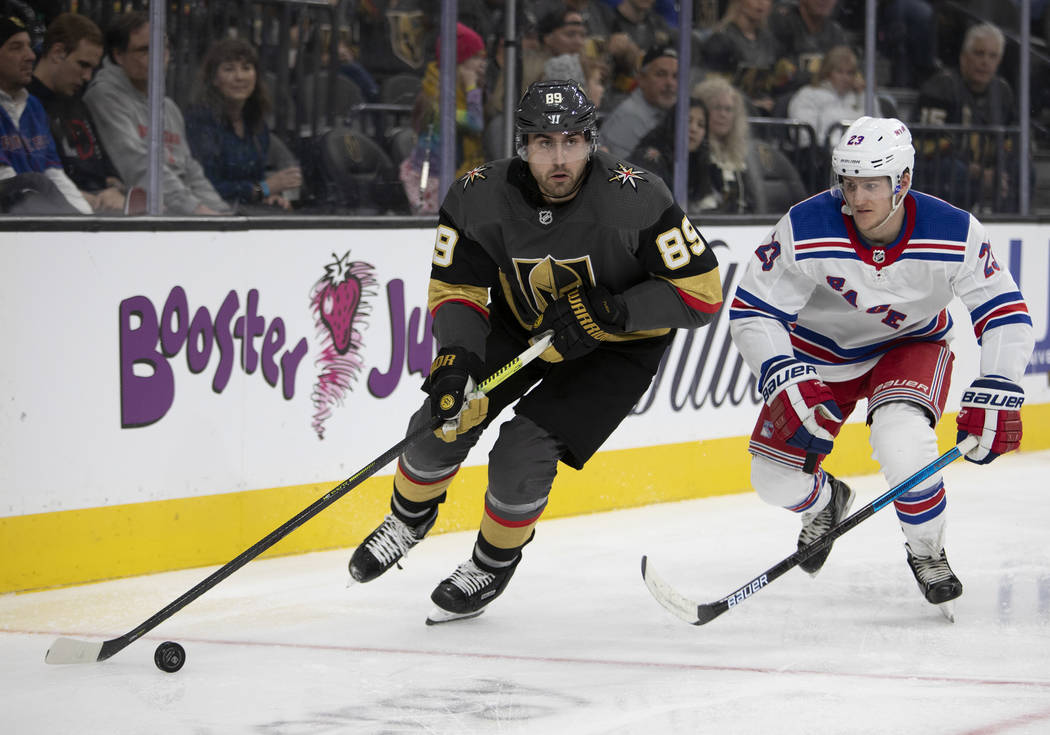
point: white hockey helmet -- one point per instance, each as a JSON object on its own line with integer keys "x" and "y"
{"x": 873, "y": 146}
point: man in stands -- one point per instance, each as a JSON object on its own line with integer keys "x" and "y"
{"x": 72, "y": 51}
{"x": 31, "y": 177}
{"x": 119, "y": 104}
{"x": 646, "y": 106}
{"x": 974, "y": 94}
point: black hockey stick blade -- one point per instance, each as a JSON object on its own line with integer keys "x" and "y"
{"x": 699, "y": 613}
{"x": 73, "y": 651}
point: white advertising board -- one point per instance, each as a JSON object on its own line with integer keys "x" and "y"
{"x": 149, "y": 366}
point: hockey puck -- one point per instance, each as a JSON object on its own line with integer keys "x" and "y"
{"x": 169, "y": 656}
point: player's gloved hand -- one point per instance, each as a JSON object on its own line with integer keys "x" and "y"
{"x": 801, "y": 405}
{"x": 991, "y": 411}
{"x": 580, "y": 320}
{"x": 454, "y": 397}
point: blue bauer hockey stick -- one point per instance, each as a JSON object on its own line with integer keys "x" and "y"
{"x": 698, "y": 613}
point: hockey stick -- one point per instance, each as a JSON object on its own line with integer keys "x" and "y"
{"x": 698, "y": 613}
{"x": 72, "y": 651}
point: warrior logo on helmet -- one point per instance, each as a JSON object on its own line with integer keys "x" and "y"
{"x": 554, "y": 106}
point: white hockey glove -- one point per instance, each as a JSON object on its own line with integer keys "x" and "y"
{"x": 801, "y": 405}
{"x": 991, "y": 411}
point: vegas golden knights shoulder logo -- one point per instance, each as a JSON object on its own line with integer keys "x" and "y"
{"x": 546, "y": 279}
{"x": 406, "y": 36}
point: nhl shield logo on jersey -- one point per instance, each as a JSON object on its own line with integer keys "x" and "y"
{"x": 878, "y": 255}
{"x": 546, "y": 216}
{"x": 627, "y": 175}
{"x": 473, "y": 175}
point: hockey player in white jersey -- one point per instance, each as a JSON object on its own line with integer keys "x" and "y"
{"x": 846, "y": 299}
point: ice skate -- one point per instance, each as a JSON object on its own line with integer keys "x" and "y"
{"x": 385, "y": 546}
{"x": 814, "y": 526}
{"x": 466, "y": 592}
{"x": 937, "y": 581}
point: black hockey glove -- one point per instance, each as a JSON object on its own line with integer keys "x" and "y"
{"x": 581, "y": 320}
{"x": 454, "y": 397}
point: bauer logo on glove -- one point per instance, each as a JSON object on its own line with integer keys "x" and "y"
{"x": 801, "y": 405}
{"x": 991, "y": 411}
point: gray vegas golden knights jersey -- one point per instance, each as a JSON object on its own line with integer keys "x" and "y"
{"x": 499, "y": 246}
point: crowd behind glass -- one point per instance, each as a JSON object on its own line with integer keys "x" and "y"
{"x": 311, "y": 107}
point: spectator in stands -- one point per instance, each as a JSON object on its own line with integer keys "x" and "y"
{"x": 835, "y": 95}
{"x": 71, "y": 51}
{"x": 227, "y": 131}
{"x": 906, "y": 33}
{"x": 119, "y": 104}
{"x": 31, "y": 177}
{"x": 352, "y": 68}
{"x": 644, "y": 27}
{"x": 597, "y": 20}
{"x": 655, "y": 153}
{"x": 805, "y": 31}
{"x": 748, "y": 176}
{"x": 561, "y": 36}
{"x": 745, "y": 26}
{"x": 646, "y": 106}
{"x": 635, "y": 27}
{"x": 972, "y": 95}
{"x": 420, "y": 171}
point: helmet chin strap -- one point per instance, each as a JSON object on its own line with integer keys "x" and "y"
{"x": 901, "y": 193}
{"x": 897, "y": 199}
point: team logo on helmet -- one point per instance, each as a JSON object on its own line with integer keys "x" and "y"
{"x": 473, "y": 175}
{"x": 627, "y": 175}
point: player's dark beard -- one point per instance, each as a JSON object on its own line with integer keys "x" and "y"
{"x": 519, "y": 175}
{"x": 555, "y": 198}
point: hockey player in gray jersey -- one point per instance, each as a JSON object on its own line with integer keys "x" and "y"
{"x": 559, "y": 238}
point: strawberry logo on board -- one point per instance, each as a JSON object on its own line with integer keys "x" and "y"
{"x": 340, "y": 311}
{"x": 340, "y": 297}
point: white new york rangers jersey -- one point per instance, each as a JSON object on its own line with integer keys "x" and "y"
{"x": 816, "y": 290}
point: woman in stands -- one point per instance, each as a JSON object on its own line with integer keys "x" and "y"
{"x": 655, "y": 153}
{"x": 228, "y": 134}
{"x": 836, "y": 95}
{"x": 748, "y": 176}
{"x": 420, "y": 171}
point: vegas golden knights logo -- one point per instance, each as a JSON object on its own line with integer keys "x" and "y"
{"x": 406, "y": 36}
{"x": 547, "y": 279}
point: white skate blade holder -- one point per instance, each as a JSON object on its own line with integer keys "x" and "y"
{"x": 438, "y": 616}
{"x": 948, "y": 610}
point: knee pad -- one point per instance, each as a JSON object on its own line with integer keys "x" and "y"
{"x": 903, "y": 441}
{"x": 522, "y": 466}
{"x": 778, "y": 484}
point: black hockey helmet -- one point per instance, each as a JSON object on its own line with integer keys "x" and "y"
{"x": 555, "y": 106}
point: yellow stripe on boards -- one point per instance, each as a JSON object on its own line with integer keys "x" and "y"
{"x": 73, "y": 547}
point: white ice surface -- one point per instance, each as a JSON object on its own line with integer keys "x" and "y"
{"x": 576, "y": 644}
